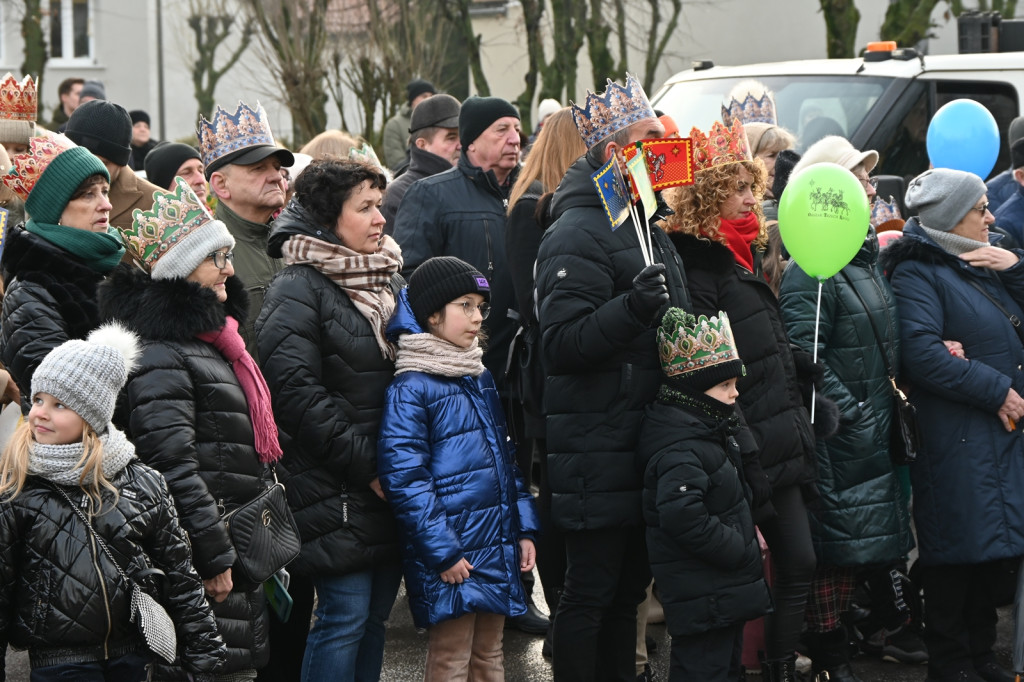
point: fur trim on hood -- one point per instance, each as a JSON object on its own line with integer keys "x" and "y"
{"x": 171, "y": 309}
{"x": 915, "y": 245}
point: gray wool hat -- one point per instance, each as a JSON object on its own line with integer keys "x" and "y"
{"x": 88, "y": 374}
{"x": 440, "y": 111}
{"x": 941, "y": 197}
{"x": 187, "y": 253}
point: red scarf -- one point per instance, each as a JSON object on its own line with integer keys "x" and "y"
{"x": 739, "y": 235}
{"x": 229, "y": 343}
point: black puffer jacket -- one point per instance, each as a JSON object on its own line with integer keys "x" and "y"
{"x": 50, "y": 298}
{"x": 55, "y": 602}
{"x": 769, "y": 393}
{"x": 327, "y": 377}
{"x": 602, "y": 361}
{"x": 700, "y": 535}
{"x": 461, "y": 213}
{"x": 189, "y": 419}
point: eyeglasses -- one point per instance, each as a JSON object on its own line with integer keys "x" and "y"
{"x": 980, "y": 209}
{"x": 221, "y": 258}
{"x": 866, "y": 182}
{"x": 469, "y": 308}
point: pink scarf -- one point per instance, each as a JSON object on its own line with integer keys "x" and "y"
{"x": 229, "y": 342}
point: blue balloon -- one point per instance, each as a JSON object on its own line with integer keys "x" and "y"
{"x": 963, "y": 135}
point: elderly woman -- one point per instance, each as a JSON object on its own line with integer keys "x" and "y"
{"x": 861, "y": 519}
{"x": 321, "y": 336}
{"x": 196, "y": 406}
{"x": 951, "y": 284}
{"x": 53, "y": 263}
{"x": 716, "y": 228}
{"x": 766, "y": 141}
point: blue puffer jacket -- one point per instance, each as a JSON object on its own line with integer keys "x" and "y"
{"x": 969, "y": 476}
{"x": 447, "y": 468}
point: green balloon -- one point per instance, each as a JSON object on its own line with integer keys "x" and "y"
{"x": 823, "y": 218}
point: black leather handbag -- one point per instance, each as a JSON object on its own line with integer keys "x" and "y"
{"x": 264, "y": 535}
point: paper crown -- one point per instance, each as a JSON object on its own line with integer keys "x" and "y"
{"x": 720, "y": 146}
{"x": 18, "y": 100}
{"x": 228, "y": 133}
{"x": 175, "y": 214}
{"x": 689, "y": 344}
{"x": 885, "y": 215}
{"x": 608, "y": 113}
{"x": 749, "y": 102}
{"x": 26, "y": 169}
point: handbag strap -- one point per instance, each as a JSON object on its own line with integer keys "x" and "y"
{"x": 874, "y": 328}
{"x": 1014, "y": 320}
{"x": 99, "y": 539}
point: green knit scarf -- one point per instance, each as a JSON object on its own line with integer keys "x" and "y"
{"x": 101, "y": 251}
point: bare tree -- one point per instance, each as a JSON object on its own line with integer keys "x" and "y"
{"x": 35, "y": 53}
{"x": 841, "y": 19}
{"x": 212, "y": 23}
{"x": 294, "y": 37}
{"x": 457, "y": 13}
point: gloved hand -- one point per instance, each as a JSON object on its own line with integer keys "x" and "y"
{"x": 649, "y": 293}
{"x": 760, "y": 487}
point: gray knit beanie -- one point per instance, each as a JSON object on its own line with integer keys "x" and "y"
{"x": 87, "y": 375}
{"x": 941, "y": 197}
{"x": 186, "y": 254}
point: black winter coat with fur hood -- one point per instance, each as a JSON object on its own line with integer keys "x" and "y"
{"x": 189, "y": 419}
{"x": 769, "y": 393}
{"x": 50, "y": 298}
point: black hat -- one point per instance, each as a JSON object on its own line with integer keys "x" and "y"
{"x": 251, "y": 155}
{"x": 138, "y": 115}
{"x": 1017, "y": 154}
{"x": 440, "y": 111}
{"x": 477, "y": 115}
{"x": 164, "y": 160}
{"x": 93, "y": 89}
{"x": 418, "y": 86}
{"x": 784, "y": 164}
{"x": 439, "y": 281}
{"x": 104, "y": 128}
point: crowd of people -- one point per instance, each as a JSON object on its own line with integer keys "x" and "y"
{"x": 460, "y": 371}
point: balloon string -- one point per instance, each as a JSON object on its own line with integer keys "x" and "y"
{"x": 817, "y": 320}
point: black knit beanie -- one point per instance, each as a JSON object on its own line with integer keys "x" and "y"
{"x": 163, "y": 162}
{"x": 104, "y": 128}
{"x": 784, "y": 164}
{"x": 138, "y": 115}
{"x": 418, "y": 86}
{"x": 477, "y": 115}
{"x": 439, "y": 281}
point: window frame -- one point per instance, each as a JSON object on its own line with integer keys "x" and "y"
{"x": 68, "y": 35}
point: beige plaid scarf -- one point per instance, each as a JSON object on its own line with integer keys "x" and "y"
{"x": 364, "y": 277}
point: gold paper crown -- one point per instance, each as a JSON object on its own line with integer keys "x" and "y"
{"x": 885, "y": 215}
{"x": 617, "y": 108}
{"x": 18, "y": 100}
{"x": 687, "y": 343}
{"x": 228, "y": 133}
{"x": 26, "y": 169}
{"x": 749, "y": 102}
{"x": 720, "y": 146}
{"x": 175, "y": 214}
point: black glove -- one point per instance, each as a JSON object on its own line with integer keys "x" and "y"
{"x": 649, "y": 293}
{"x": 760, "y": 487}
{"x": 807, "y": 370}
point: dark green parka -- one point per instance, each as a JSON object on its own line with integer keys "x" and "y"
{"x": 861, "y": 517}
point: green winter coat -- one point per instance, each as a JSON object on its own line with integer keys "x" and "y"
{"x": 861, "y": 517}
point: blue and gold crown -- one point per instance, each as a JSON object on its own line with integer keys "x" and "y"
{"x": 750, "y": 102}
{"x": 619, "y": 107}
{"x": 228, "y": 133}
{"x": 885, "y": 215}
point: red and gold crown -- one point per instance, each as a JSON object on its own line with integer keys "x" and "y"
{"x": 26, "y": 169}
{"x": 720, "y": 146}
{"x": 227, "y": 133}
{"x": 18, "y": 109}
{"x": 617, "y": 108}
{"x": 749, "y": 102}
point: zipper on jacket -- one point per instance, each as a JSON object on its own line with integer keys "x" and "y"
{"x": 490, "y": 254}
{"x": 103, "y": 587}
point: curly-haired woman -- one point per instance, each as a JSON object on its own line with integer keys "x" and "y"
{"x": 718, "y": 229}
{"x": 328, "y": 364}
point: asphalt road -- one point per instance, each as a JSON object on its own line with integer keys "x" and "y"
{"x": 406, "y": 648}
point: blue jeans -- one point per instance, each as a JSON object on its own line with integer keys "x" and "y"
{"x": 347, "y": 639}
{"x": 128, "y": 668}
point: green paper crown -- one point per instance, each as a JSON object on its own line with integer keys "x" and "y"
{"x": 688, "y": 344}
{"x": 175, "y": 215}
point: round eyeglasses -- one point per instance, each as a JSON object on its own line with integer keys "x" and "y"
{"x": 221, "y": 258}
{"x": 468, "y": 308}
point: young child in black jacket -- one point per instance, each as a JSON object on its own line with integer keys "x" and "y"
{"x": 700, "y": 535}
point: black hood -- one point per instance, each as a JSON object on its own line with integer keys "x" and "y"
{"x": 168, "y": 309}
{"x": 295, "y": 219}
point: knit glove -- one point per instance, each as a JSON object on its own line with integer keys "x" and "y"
{"x": 649, "y": 294}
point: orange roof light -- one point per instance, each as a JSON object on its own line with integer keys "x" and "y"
{"x": 881, "y": 46}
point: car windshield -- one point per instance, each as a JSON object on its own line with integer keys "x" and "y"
{"x": 808, "y": 106}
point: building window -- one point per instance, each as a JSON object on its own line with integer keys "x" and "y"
{"x": 70, "y": 30}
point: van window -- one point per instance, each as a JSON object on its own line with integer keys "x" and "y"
{"x": 808, "y": 106}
